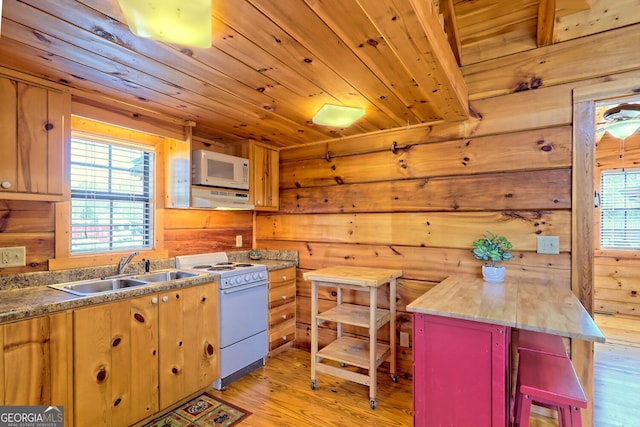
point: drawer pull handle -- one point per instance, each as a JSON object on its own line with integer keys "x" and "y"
{"x": 284, "y": 297}
{"x": 284, "y": 316}
{"x": 284, "y": 338}
{"x": 284, "y": 277}
{"x": 165, "y": 298}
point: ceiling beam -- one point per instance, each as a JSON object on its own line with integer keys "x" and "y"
{"x": 451, "y": 27}
{"x": 546, "y": 22}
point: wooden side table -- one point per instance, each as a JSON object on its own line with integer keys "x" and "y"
{"x": 366, "y": 354}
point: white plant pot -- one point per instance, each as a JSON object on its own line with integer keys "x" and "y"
{"x": 493, "y": 274}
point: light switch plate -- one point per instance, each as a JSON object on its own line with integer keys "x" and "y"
{"x": 404, "y": 339}
{"x": 239, "y": 241}
{"x": 549, "y": 245}
{"x": 12, "y": 257}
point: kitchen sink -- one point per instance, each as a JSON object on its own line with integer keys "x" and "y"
{"x": 100, "y": 286}
{"x": 164, "y": 276}
{"x": 115, "y": 284}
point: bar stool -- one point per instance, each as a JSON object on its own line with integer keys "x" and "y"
{"x": 552, "y": 382}
{"x": 541, "y": 343}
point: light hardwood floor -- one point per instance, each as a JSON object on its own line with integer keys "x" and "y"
{"x": 279, "y": 394}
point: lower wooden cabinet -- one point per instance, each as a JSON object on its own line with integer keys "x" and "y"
{"x": 35, "y": 362}
{"x": 135, "y": 357}
{"x": 282, "y": 308}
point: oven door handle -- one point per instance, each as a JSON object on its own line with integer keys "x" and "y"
{"x": 242, "y": 288}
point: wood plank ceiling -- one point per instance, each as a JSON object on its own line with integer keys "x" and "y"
{"x": 273, "y": 64}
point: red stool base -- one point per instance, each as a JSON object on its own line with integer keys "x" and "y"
{"x": 550, "y": 381}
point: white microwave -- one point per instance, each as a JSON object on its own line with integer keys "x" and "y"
{"x": 219, "y": 170}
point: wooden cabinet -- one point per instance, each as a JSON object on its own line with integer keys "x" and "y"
{"x": 264, "y": 181}
{"x": 447, "y": 352}
{"x": 32, "y": 131}
{"x": 282, "y": 309}
{"x": 136, "y": 357}
{"x": 35, "y": 362}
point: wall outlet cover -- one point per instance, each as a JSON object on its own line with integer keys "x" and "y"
{"x": 549, "y": 245}
{"x": 12, "y": 257}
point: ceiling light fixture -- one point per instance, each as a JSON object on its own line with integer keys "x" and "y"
{"x": 185, "y": 22}
{"x": 337, "y": 115}
{"x": 623, "y": 120}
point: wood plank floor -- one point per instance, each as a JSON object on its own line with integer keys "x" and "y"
{"x": 279, "y": 393}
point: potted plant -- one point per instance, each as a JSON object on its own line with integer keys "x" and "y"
{"x": 492, "y": 249}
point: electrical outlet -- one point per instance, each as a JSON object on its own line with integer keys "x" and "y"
{"x": 238, "y": 241}
{"x": 404, "y": 339}
{"x": 549, "y": 245}
{"x": 12, "y": 257}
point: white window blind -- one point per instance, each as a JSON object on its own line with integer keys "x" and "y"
{"x": 620, "y": 209}
{"x": 111, "y": 196}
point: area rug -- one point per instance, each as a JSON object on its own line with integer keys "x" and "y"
{"x": 203, "y": 411}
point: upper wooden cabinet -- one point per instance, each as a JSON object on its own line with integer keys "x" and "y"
{"x": 32, "y": 135}
{"x": 265, "y": 177}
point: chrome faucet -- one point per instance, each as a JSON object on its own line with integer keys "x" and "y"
{"x": 124, "y": 262}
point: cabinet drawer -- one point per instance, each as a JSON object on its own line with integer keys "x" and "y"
{"x": 282, "y": 295}
{"x": 281, "y": 277}
{"x": 282, "y": 335}
{"x": 281, "y": 314}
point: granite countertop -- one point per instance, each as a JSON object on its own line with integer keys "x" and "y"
{"x": 28, "y": 295}
{"x": 534, "y": 307}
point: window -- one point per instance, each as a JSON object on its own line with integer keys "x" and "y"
{"x": 620, "y": 209}
{"x": 111, "y": 195}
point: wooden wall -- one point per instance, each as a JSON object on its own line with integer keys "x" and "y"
{"x": 357, "y": 201}
{"x": 32, "y": 224}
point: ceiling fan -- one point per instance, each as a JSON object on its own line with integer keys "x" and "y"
{"x": 621, "y": 121}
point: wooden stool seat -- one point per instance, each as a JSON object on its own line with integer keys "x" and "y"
{"x": 541, "y": 342}
{"x": 550, "y": 381}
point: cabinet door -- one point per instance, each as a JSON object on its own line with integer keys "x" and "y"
{"x": 265, "y": 177}
{"x": 143, "y": 327}
{"x": 171, "y": 347}
{"x": 188, "y": 342}
{"x": 460, "y": 372}
{"x": 33, "y": 135}
{"x": 37, "y": 362}
{"x": 102, "y": 350}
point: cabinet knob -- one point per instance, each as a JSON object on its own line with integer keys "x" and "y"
{"x": 284, "y": 297}
{"x": 284, "y": 316}
{"x": 5, "y": 184}
{"x": 154, "y": 300}
{"x": 165, "y": 298}
{"x": 48, "y": 126}
{"x": 284, "y": 338}
{"x": 284, "y": 277}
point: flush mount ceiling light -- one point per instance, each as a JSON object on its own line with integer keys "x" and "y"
{"x": 622, "y": 120}
{"x": 337, "y": 115}
{"x": 186, "y": 22}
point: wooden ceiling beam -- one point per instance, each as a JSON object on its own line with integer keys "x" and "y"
{"x": 451, "y": 27}
{"x": 546, "y": 22}
{"x": 412, "y": 29}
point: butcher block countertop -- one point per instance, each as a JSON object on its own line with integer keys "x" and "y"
{"x": 356, "y": 276}
{"x": 516, "y": 304}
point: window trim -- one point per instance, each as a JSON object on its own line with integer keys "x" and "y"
{"x": 100, "y": 130}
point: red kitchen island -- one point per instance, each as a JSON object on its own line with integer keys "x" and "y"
{"x": 461, "y": 345}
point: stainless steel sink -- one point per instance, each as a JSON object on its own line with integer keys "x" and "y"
{"x": 99, "y": 286}
{"x": 164, "y": 276}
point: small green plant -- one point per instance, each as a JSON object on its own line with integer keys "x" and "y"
{"x": 492, "y": 249}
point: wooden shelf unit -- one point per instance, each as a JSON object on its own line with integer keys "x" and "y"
{"x": 368, "y": 353}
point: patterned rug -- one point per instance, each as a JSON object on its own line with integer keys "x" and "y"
{"x": 203, "y": 411}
